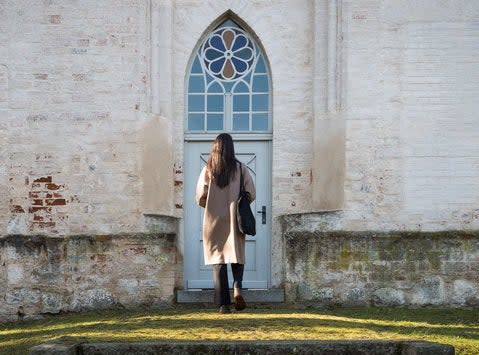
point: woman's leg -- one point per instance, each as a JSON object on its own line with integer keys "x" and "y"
{"x": 220, "y": 279}
{"x": 238, "y": 270}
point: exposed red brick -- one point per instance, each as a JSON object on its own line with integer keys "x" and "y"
{"x": 55, "y": 19}
{"x": 43, "y": 179}
{"x": 56, "y": 202}
{"x": 37, "y": 202}
{"x": 17, "y": 209}
{"x": 33, "y": 194}
{"x": 178, "y": 205}
{"x": 37, "y": 218}
{"x": 53, "y": 186}
{"x": 36, "y": 209}
{"x": 56, "y": 195}
{"x": 178, "y": 183}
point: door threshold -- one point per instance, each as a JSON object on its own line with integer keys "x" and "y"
{"x": 272, "y": 295}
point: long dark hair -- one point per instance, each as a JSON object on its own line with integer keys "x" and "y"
{"x": 222, "y": 162}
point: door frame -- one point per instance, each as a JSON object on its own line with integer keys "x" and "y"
{"x": 250, "y": 137}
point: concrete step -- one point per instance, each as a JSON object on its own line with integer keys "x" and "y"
{"x": 273, "y": 295}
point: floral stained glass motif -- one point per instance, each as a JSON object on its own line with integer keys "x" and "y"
{"x": 228, "y": 84}
{"x": 228, "y": 53}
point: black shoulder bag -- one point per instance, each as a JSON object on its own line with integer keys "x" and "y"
{"x": 244, "y": 215}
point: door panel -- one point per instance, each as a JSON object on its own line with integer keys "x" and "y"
{"x": 256, "y": 156}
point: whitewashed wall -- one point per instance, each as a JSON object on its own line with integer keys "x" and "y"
{"x": 412, "y": 128}
{"x": 72, "y": 88}
{"x": 74, "y": 93}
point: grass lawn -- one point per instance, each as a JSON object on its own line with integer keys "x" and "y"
{"x": 459, "y": 328}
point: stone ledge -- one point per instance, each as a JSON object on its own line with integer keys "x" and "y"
{"x": 273, "y": 295}
{"x": 361, "y": 347}
{"x": 19, "y": 240}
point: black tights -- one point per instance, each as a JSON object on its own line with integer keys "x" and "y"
{"x": 220, "y": 279}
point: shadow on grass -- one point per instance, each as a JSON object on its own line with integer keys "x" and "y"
{"x": 256, "y": 324}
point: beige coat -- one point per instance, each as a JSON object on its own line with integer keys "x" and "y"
{"x": 223, "y": 243}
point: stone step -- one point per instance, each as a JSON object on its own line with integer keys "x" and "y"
{"x": 331, "y": 347}
{"x": 273, "y": 295}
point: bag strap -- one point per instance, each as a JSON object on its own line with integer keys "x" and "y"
{"x": 242, "y": 189}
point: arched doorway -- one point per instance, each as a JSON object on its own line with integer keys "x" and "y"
{"x": 228, "y": 89}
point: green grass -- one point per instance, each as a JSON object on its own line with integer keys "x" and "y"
{"x": 457, "y": 327}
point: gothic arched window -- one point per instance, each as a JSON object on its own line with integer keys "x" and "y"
{"x": 228, "y": 84}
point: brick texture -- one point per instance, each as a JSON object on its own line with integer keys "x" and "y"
{"x": 74, "y": 85}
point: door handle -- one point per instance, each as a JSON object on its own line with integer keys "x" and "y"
{"x": 263, "y": 213}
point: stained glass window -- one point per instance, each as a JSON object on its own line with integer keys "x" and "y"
{"x": 228, "y": 84}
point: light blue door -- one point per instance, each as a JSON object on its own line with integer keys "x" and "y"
{"x": 256, "y": 156}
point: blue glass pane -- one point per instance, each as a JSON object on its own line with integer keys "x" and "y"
{"x": 196, "y": 68}
{"x": 212, "y": 54}
{"x": 260, "y": 66}
{"x": 239, "y": 65}
{"x": 196, "y": 103}
{"x": 214, "y": 103}
{"x": 241, "y": 122}
{"x": 196, "y": 122}
{"x": 215, "y": 87}
{"x": 209, "y": 78}
{"x": 217, "y": 65}
{"x": 196, "y": 84}
{"x": 245, "y": 54}
{"x": 260, "y": 83}
{"x": 240, "y": 103}
{"x": 240, "y": 42}
{"x": 260, "y": 102}
{"x": 260, "y": 122}
{"x": 214, "y": 122}
{"x": 241, "y": 87}
{"x": 217, "y": 42}
{"x": 228, "y": 86}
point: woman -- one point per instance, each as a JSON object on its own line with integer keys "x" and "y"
{"x": 217, "y": 191}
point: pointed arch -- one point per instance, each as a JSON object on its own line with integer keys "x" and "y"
{"x": 228, "y": 81}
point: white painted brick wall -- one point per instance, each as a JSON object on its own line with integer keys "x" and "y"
{"x": 74, "y": 84}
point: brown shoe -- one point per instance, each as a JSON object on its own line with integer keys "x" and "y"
{"x": 240, "y": 304}
{"x": 225, "y": 309}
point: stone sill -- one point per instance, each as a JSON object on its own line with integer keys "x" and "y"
{"x": 251, "y": 296}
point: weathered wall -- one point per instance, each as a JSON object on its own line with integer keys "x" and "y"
{"x": 76, "y": 87}
{"x": 411, "y": 78}
{"x": 41, "y": 274}
{"x": 382, "y": 268}
{"x": 72, "y": 89}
